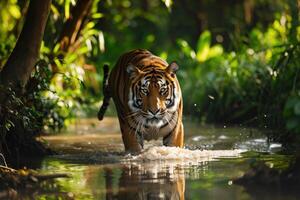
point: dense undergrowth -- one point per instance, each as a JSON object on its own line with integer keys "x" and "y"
{"x": 256, "y": 85}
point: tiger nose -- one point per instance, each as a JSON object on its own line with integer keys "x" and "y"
{"x": 154, "y": 111}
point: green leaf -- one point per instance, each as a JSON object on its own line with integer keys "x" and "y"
{"x": 97, "y": 15}
{"x": 54, "y": 10}
{"x": 215, "y": 51}
{"x": 15, "y": 11}
{"x": 203, "y": 46}
{"x": 67, "y": 9}
{"x": 187, "y": 50}
{"x": 168, "y": 3}
{"x": 90, "y": 25}
{"x": 56, "y": 48}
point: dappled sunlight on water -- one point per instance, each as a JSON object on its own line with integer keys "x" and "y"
{"x": 92, "y": 152}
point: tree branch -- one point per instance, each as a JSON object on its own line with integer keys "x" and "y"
{"x": 73, "y": 25}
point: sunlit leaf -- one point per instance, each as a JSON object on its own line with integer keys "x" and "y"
{"x": 56, "y": 48}
{"x": 90, "y": 32}
{"x": 67, "y": 9}
{"x": 164, "y": 55}
{"x": 15, "y": 11}
{"x": 203, "y": 46}
{"x": 54, "y": 10}
{"x": 97, "y": 15}
{"x": 73, "y": 2}
{"x": 90, "y": 25}
{"x": 168, "y": 3}
{"x": 215, "y": 51}
{"x": 101, "y": 41}
{"x": 57, "y": 62}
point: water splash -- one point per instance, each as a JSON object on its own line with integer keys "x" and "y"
{"x": 173, "y": 162}
{"x": 163, "y": 153}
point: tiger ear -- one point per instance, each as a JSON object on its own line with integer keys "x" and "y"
{"x": 172, "y": 68}
{"x": 133, "y": 71}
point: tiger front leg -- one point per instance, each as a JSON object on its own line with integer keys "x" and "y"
{"x": 175, "y": 138}
{"x": 130, "y": 140}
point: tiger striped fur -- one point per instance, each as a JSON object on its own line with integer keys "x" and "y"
{"x": 148, "y": 99}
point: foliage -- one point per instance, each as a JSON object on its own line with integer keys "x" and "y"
{"x": 74, "y": 79}
{"x": 32, "y": 109}
{"x": 250, "y": 85}
{"x": 9, "y": 24}
{"x": 241, "y": 68}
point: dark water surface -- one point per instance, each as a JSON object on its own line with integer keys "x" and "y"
{"x": 92, "y": 153}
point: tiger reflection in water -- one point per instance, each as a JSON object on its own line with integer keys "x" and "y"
{"x": 139, "y": 183}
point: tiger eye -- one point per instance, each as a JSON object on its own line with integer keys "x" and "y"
{"x": 163, "y": 90}
{"x": 144, "y": 91}
{"x": 168, "y": 101}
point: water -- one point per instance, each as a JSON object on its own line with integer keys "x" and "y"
{"x": 92, "y": 153}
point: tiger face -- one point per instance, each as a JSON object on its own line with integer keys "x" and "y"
{"x": 153, "y": 98}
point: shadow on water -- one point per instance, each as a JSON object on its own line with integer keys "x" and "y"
{"x": 92, "y": 153}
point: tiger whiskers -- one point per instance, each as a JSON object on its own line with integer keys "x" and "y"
{"x": 137, "y": 128}
{"x": 142, "y": 130}
{"x": 134, "y": 126}
{"x": 139, "y": 132}
{"x": 172, "y": 121}
{"x": 144, "y": 113}
{"x": 167, "y": 120}
{"x": 132, "y": 114}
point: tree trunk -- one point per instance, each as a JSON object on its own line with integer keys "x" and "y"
{"x": 20, "y": 63}
{"x": 15, "y": 74}
{"x": 73, "y": 25}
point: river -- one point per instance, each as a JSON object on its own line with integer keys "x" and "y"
{"x": 92, "y": 153}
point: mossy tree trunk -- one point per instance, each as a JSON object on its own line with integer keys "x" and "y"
{"x": 15, "y": 75}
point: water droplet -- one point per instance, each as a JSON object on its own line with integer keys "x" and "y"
{"x": 211, "y": 97}
{"x": 195, "y": 104}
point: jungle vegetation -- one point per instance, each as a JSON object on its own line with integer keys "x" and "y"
{"x": 239, "y": 61}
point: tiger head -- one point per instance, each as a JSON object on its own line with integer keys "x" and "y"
{"x": 154, "y": 96}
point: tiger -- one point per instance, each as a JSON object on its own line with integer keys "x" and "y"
{"x": 147, "y": 97}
